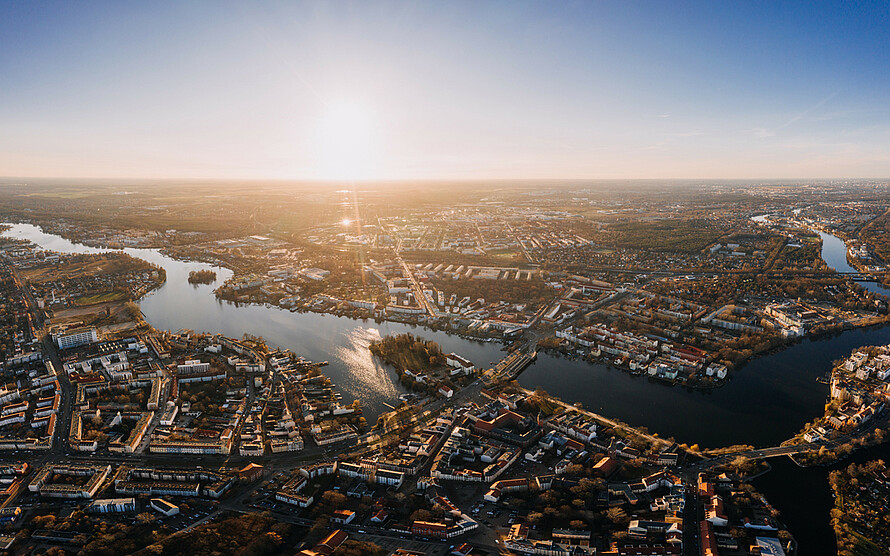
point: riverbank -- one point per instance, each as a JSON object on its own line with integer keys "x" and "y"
{"x": 783, "y": 381}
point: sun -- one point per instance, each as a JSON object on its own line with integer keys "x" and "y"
{"x": 347, "y": 141}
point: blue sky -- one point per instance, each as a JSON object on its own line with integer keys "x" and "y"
{"x": 439, "y": 90}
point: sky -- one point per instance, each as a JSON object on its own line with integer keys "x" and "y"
{"x": 418, "y": 90}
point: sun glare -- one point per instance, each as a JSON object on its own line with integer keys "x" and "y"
{"x": 347, "y": 142}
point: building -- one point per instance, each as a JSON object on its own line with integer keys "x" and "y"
{"x": 192, "y": 367}
{"x": 76, "y": 337}
{"x": 571, "y": 537}
{"x": 251, "y": 472}
{"x": 10, "y": 514}
{"x": 459, "y": 364}
{"x": 327, "y": 545}
{"x": 112, "y": 505}
{"x": 343, "y": 517}
{"x": 162, "y": 506}
{"x": 429, "y": 529}
{"x": 770, "y": 546}
{"x": 389, "y": 477}
{"x": 43, "y": 480}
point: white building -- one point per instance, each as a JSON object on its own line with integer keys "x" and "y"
{"x": 162, "y": 506}
{"x": 112, "y": 505}
{"x": 76, "y": 337}
{"x": 459, "y": 364}
{"x": 193, "y": 366}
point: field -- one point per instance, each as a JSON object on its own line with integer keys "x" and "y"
{"x": 109, "y": 316}
{"x": 82, "y": 266}
{"x": 106, "y": 297}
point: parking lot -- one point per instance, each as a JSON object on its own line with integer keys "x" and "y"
{"x": 431, "y": 548}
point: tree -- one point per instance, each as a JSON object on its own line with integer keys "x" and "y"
{"x": 318, "y": 530}
{"x": 616, "y": 515}
{"x": 43, "y": 521}
{"x": 742, "y": 465}
{"x": 421, "y": 515}
{"x": 359, "y": 548}
{"x": 332, "y": 500}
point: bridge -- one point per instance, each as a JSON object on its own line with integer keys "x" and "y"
{"x": 756, "y": 454}
{"x": 791, "y": 450}
{"x": 509, "y": 368}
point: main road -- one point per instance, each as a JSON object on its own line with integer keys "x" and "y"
{"x": 415, "y": 285}
{"x": 50, "y": 353}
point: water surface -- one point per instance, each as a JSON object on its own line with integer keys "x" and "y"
{"x": 765, "y": 402}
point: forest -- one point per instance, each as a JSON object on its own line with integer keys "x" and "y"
{"x": 679, "y": 236}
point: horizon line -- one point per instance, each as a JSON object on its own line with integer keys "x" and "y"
{"x": 384, "y": 181}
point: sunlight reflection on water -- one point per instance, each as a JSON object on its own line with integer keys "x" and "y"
{"x": 368, "y": 373}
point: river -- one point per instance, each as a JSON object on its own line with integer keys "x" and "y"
{"x": 765, "y": 402}
{"x": 834, "y": 253}
{"x": 341, "y": 341}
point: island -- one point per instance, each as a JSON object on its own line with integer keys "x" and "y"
{"x": 202, "y": 277}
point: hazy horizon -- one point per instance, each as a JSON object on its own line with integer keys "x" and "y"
{"x": 405, "y": 91}
{"x": 78, "y": 181}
